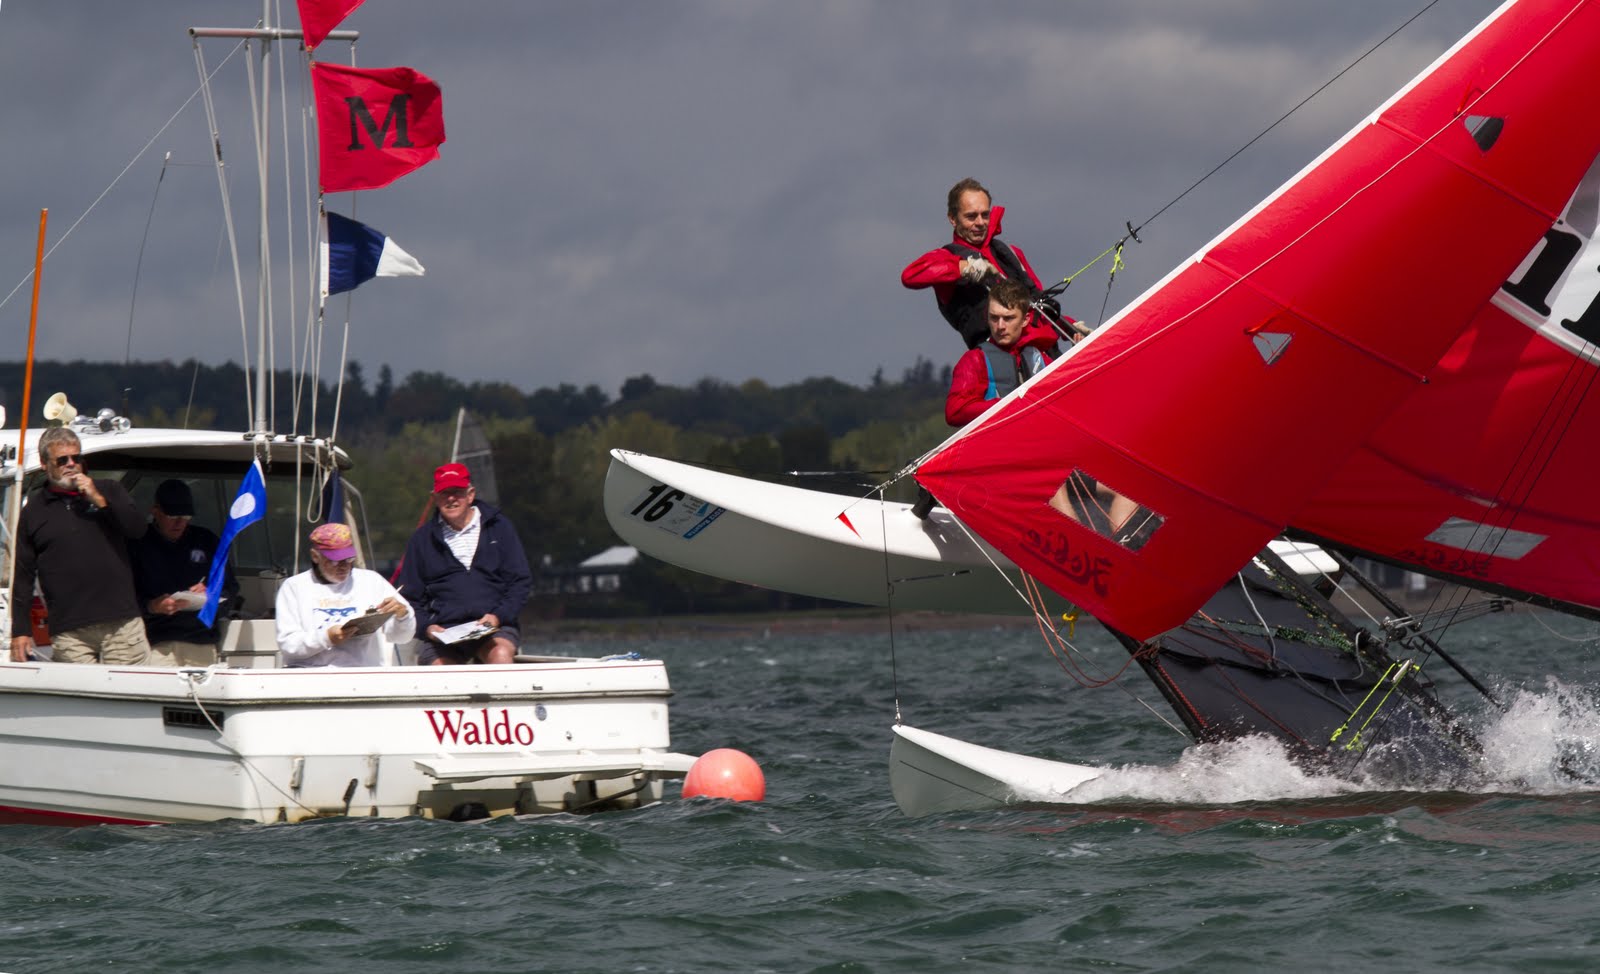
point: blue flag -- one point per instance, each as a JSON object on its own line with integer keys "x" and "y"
{"x": 249, "y": 506}
{"x": 354, "y": 253}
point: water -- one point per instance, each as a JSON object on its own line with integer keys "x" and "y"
{"x": 1219, "y": 859}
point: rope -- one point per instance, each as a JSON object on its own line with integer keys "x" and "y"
{"x": 1391, "y": 678}
{"x": 188, "y": 676}
{"x": 1539, "y": 618}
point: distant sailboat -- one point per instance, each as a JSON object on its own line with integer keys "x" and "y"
{"x": 471, "y": 449}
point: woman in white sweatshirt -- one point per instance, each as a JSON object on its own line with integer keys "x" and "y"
{"x": 316, "y": 608}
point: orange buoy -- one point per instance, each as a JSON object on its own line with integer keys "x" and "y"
{"x": 725, "y": 773}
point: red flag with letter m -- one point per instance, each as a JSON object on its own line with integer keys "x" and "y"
{"x": 374, "y": 124}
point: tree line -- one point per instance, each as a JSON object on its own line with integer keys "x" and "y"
{"x": 551, "y": 445}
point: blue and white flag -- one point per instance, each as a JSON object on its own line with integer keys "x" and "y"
{"x": 354, "y": 253}
{"x": 249, "y": 506}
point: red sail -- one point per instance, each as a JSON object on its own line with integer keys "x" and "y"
{"x": 1242, "y": 386}
{"x": 374, "y": 125}
{"x": 1488, "y": 474}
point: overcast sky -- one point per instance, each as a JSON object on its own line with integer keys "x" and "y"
{"x": 723, "y": 188}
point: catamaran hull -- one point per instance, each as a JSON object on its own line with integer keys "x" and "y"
{"x": 930, "y": 773}
{"x": 807, "y": 542}
{"x": 84, "y": 743}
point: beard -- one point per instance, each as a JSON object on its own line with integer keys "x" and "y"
{"x": 63, "y": 482}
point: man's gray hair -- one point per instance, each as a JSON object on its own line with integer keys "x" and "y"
{"x": 54, "y": 435}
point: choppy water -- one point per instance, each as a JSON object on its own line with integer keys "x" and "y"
{"x": 1222, "y": 859}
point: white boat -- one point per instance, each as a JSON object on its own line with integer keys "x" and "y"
{"x": 250, "y": 739}
{"x": 930, "y": 773}
{"x": 831, "y": 546}
{"x": 862, "y": 550}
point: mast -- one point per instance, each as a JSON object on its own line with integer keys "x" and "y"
{"x": 258, "y": 421}
{"x": 266, "y": 34}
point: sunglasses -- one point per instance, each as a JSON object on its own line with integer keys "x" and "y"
{"x": 66, "y": 458}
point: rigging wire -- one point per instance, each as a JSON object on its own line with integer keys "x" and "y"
{"x": 1285, "y": 116}
{"x": 1043, "y": 617}
{"x": 212, "y": 126}
{"x": 138, "y": 264}
{"x": 26, "y": 278}
{"x": 888, "y": 590}
{"x": 1132, "y": 232}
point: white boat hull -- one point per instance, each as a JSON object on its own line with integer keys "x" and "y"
{"x": 806, "y": 541}
{"x": 930, "y": 773}
{"x": 87, "y": 743}
{"x": 824, "y": 545}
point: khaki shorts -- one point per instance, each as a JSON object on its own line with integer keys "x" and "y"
{"x": 176, "y": 652}
{"x": 112, "y": 643}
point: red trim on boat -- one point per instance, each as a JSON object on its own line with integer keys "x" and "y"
{"x": 10, "y": 815}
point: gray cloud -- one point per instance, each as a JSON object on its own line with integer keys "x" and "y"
{"x": 679, "y": 188}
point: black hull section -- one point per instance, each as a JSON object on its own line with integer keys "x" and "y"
{"x": 1269, "y": 655}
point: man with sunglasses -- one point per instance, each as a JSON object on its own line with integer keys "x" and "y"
{"x": 72, "y": 538}
{"x": 465, "y": 565}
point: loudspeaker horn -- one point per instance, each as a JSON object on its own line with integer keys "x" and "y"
{"x": 57, "y": 410}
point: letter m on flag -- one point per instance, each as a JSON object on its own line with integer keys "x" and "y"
{"x": 374, "y": 125}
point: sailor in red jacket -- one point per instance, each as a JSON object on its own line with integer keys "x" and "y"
{"x": 1018, "y": 347}
{"x": 961, "y": 271}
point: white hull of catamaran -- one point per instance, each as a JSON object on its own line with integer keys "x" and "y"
{"x": 930, "y": 773}
{"x": 84, "y": 743}
{"x": 805, "y": 541}
{"x": 825, "y": 545}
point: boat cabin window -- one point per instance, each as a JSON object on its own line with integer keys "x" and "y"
{"x": 1109, "y": 514}
{"x": 265, "y": 552}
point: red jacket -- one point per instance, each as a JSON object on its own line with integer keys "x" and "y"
{"x": 965, "y": 304}
{"x": 974, "y": 387}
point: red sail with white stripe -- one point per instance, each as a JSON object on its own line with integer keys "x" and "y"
{"x": 1283, "y": 370}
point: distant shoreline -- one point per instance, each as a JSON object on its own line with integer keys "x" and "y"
{"x": 744, "y": 625}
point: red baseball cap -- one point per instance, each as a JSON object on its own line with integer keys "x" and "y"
{"x": 449, "y": 476}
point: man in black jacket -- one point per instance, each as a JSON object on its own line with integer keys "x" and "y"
{"x": 170, "y": 565}
{"x": 72, "y": 537}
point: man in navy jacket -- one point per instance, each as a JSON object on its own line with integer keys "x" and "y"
{"x": 465, "y": 565}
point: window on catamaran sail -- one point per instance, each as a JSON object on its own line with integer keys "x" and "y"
{"x": 1109, "y": 514}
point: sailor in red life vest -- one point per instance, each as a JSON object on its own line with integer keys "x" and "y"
{"x": 961, "y": 271}
{"x": 1019, "y": 346}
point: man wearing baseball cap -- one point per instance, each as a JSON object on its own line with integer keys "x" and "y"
{"x": 173, "y": 557}
{"x": 465, "y": 565}
{"x": 317, "y": 609}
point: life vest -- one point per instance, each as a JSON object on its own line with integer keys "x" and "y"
{"x": 968, "y": 307}
{"x": 1005, "y": 372}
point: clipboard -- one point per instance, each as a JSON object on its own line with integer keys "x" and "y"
{"x": 366, "y": 625}
{"x": 465, "y": 632}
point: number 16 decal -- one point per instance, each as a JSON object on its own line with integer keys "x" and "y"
{"x": 673, "y": 511}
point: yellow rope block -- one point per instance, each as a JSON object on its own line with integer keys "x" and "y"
{"x": 1071, "y": 619}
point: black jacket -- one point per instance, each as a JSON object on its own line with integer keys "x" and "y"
{"x": 79, "y": 554}
{"x": 161, "y": 567}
